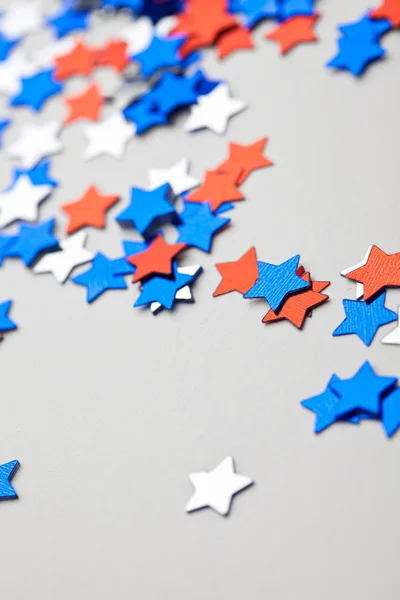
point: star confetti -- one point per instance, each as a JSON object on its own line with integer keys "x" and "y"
{"x": 36, "y": 141}
{"x": 104, "y": 274}
{"x": 21, "y": 201}
{"x": 7, "y": 472}
{"x": 376, "y": 272}
{"x": 177, "y": 176}
{"x": 218, "y": 188}
{"x": 89, "y": 210}
{"x": 214, "y": 110}
{"x": 248, "y": 158}
{"x": 162, "y": 289}
{"x": 80, "y": 60}
{"x": 389, "y": 9}
{"x": 156, "y": 259}
{"x": 184, "y": 294}
{"x": 199, "y": 225}
{"x": 5, "y": 322}
{"x": 86, "y": 105}
{"x": 32, "y": 240}
{"x": 239, "y": 275}
{"x": 72, "y": 253}
{"x": 109, "y": 137}
{"x": 36, "y": 90}
{"x": 293, "y": 31}
{"x": 238, "y": 38}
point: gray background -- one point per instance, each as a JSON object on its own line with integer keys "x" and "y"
{"x": 108, "y": 408}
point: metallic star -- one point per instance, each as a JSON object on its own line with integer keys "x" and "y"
{"x": 7, "y": 472}
{"x": 184, "y": 294}
{"x": 62, "y": 263}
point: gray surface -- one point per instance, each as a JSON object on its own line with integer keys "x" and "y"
{"x": 108, "y": 409}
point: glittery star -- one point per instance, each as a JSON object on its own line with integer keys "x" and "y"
{"x": 199, "y": 225}
{"x": 36, "y": 142}
{"x": 7, "y": 472}
{"x": 160, "y": 54}
{"x": 148, "y": 210}
{"x": 36, "y": 90}
{"x": 248, "y": 158}
{"x": 377, "y": 271}
{"x": 21, "y": 202}
{"x": 177, "y": 176}
{"x": 391, "y": 412}
{"x": 355, "y": 54}
{"x": 68, "y": 20}
{"x": 294, "y": 31}
{"x": 156, "y": 259}
{"x": 363, "y": 392}
{"x": 63, "y": 262}
{"x": 32, "y": 240}
{"x": 217, "y": 487}
{"x": 365, "y": 318}
{"x": 104, "y": 274}
{"x": 89, "y": 210}
{"x": 163, "y": 289}
{"x": 217, "y": 189}
{"x": 5, "y": 322}
{"x": 389, "y": 9}
{"x": 214, "y": 110}
{"x": 324, "y": 406}
{"x": 276, "y": 282}
{"x": 109, "y": 137}
{"x": 78, "y": 61}
{"x": 239, "y": 275}
{"x": 86, "y": 105}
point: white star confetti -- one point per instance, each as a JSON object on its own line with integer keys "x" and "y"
{"x": 177, "y": 176}
{"x": 62, "y": 263}
{"x": 393, "y": 337}
{"x": 137, "y": 35}
{"x": 109, "y": 137}
{"x": 22, "y": 17}
{"x": 216, "y": 488}
{"x": 36, "y": 142}
{"x": 214, "y": 110}
{"x": 11, "y": 71}
{"x": 21, "y": 202}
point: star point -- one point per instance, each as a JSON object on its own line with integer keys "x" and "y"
{"x": 89, "y": 210}
{"x": 21, "y": 201}
{"x": 62, "y": 262}
{"x": 109, "y": 137}
{"x": 214, "y": 110}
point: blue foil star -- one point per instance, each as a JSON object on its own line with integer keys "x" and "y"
{"x": 160, "y": 54}
{"x": 203, "y": 85}
{"x": 5, "y": 322}
{"x": 68, "y": 20}
{"x": 131, "y": 247}
{"x": 32, "y": 240}
{"x": 148, "y": 210}
{"x": 363, "y": 392}
{"x": 355, "y": 54}
{"x": 36, "y": 90}
{"x": 199, "y": 225}
{"x": 38, "y": 174}
{"x": 5, "y": 243}
{"x": 6, "y": 45}
{"x": 276, "y": 282}
{"x": 391, "y": 412}
{"x": 104, "y": 274}
{"x": 365, "y": 318}
{"x": 4, "y": 123}
{"x": 324, "y": 405}
{"x": 366, "y": 28}
{"x": 162, "y": 289}
{"x": 173, "y": 91}
{"x": 255, "y": 11}
{"x": 7, "y": 472}
{"x": 292, "y": 8}
{"x": 145, "y": 114}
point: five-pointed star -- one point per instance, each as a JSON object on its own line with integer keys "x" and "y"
{"x": 163, "y": 289}
{"x": 389, "y": 9}
{"x": 293, "y": 31}
{"x": 22, "y": 17}
{"x": 36, "y": 142}
{"x": 355, "y": 54}
{"x": 214, "y": 110}
{"x": 393, "y": 337}
{"x": 21, "y": 202}
{"x": 109, "y": 137}
{"x": 365, "y": 318}
{"x": 11, "y": 72}
{"x": 86, "y": 105}
{"x": 36, "y": 90}
{"x": 218, "y": 188}
{"x": 62, "y": 263}
{"x": 257, "y": 10}
{"x": 379, "y": 271}
{"x": 156, "y": 259}
{"x": 199, "y": 225}
{"x": 184, "y": 294}
{"x": 177, "y": 176}
{"x": 114, "y": 54}
{"x": 359, "y": 286}
{"x": 217, "y": 487}
{"x": 90, "y": 209}
{"x": 248, "y": 158}
{"x": 324, "y": 406}
{"x": 161, "y": 53}
{"x": 79, "y": 60}
{"x": 238, "y": 38}
{"x": 103, "y": 274}
{"x": 361, "y": 392}
{"x": 32, "y": 240}
{"x": 7, "y": 472}
{"x": 239, "y": 275}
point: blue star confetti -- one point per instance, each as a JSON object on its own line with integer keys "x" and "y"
{"x": 32, "y": 240}
{"x": 324, "y": 406}
{"x": 5, "y": 242}
{"x": 6, "y": 45}
{"x": 161, "y": 53}
{"x": 68, "y": 20}
{"x": 199, "y": 225}
{"x": 38, "y": 174}
{"x": 145, "y": 114}
{"x": 365, "y": 318}
{"x": 173, "y": 91}
{"x": 4, "y": 123}
{"x": 162, "y": 289}
{"x": 255, "y": 11}
{"x": 7, "y": 472}
{"x": 293, "y": 8}
{"x": 355, "y": 54}
{"x": 104, "y": 274}
{"x": 276, "y": 282}
{"x": 37, "y": 89}
{"x": 366, "y": 28}
{"x": 5, "y": 322}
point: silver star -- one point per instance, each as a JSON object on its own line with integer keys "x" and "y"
{"x": 21, "y": 201}
{"x": 36, "y": 142}
{"x": 216, "y": 488}
{"x": 72, "y": 254}
{"x": 359, "y": 286}
{"x": 108, "y": 137}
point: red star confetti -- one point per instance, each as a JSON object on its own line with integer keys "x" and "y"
{"x": 218, "y": 188}
{"x": 248, "y": 158}
{"x": 88, "y": 210}
{"x": 79, "y": 61}
{"x": 239, "y": 275}
{"x": 113, "y": 54}
{"x": 389, "y": 9}
{"x": 238, "y": 38}
{"x": 87, "y": 105}
{"x": 156, "y": 259}
{"x": 381, "y": 270}
{"x": 294, "y": 31}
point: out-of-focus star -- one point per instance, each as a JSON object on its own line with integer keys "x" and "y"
{"x": 86, "y": 105}
{"x": 177, "y": 176}
{"x": 21, "y": 202}
{"x": 199, "y": 225}
{"x": 389, "y": 9}
{"x": 160, "y": 54}
{"x": 80, "y": 60}
{"x": 109, "y": 137}
{"x": 391, "y": 412}
{"x": 294, "y": 31}
{"x": 21, "y": 17}
{"x": 11, "y": 72}
{"x": 36, "y": 141}
{"x": 6, "y": 324}
{"x": 218, "y": 187}
{"x": 61, "y": 263}
{"x": 214, "y": 110}
{"x": 32, "y": 240}
{"x": 36, "y": 89}
{"x": 324, "y": 406}
{"x": 355, "y": 54}
{"x": 69, "y": 19}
